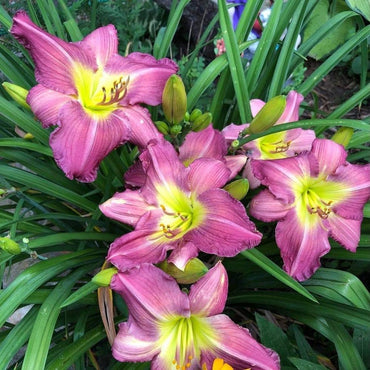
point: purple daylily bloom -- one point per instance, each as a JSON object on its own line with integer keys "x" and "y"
{"x": 176, "y": 330}
{"x": 274, "y": 146}
{"x": 91, "y": 94}
{"x": 313, "y": 196}
{"x": 179, "y": 208}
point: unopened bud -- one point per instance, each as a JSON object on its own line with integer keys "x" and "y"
{"x": 175, "y": 130}
{"x": 193, "y": 271}
{"x": 195, "y": 114}
{"x": 104, "y": 277}
{"x": 174, "y": 101}
{"x": 162, "y": 127}
{"x": 343, "y": 136}
{"x": 10, "y": 246}
{"x": 202, "y": 122}
{"x": 268, "y": 115}
{"x": 238, "y": 189}
{"x": 18, "y": 94}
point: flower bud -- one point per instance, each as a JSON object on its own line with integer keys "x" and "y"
{"x": 104, "y": 277}
{"x": 18, "y": 94}
{"x": 174, "y": 101}
{"x": 195, "y": 114}
{"x": 162, "y": 127}
{"x": 238, "y": 189}
{"x": 343, "y": 136}
{"x": 193, "y": 271}
{"x": 10, "y": 246}
{"x": 268, "y": 115}
{"x": 202, "y": 122}
{"x": 175, "y": 130}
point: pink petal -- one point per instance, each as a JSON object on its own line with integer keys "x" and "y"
{"x": 226, "y": 229}
{"x": 208, "y": 295}
{"x": 237, "y": 347}
{"x": 232, "y": 131}
{"x": 282, "y": 175}
{"x": 256, "y": 106}
{"x": 344, "y": 231}
{"x": 46, "y": 103}
{"x": 54, "y": 58}
{"x": 207, "y": 173}
{"x": 135, "y": 248}
{"x": 135, "y": 175}
{"x": 301, "y": 142}
{"x": 147, "y": 76}
{"x": 248, "y": 174}
{"x": 151, "y": 296}
{"x": 103, "y": 42}
{"x": 163, "y": 167}
{"x": 82, "y": 141}
{"x": 129, "y": 347}
{"x": 126, "y": 207}
{"x": 208, "y": 143}
{"x": 266, "y": 207}
{"x": 302, "y": 243}
{"x": 291, "y": 112}
{"x": 329, "y": 154}
{"x": 181, "y": 255}
{"x": 142, "y": 128}
{"x": 235, "y": 163}
{"x": 357, "y": 179}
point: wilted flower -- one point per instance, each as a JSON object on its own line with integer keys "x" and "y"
{"x": 179, "y": 208}
{"x": 175, "y": 330}
{"x": 313, "y": 196}
{"x": 91, "y": 93}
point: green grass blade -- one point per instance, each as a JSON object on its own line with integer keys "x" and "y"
{"x": 17, "y": 337}
{"x": 235, "y": 64}
{"x": 266, "y": 264}
{"x": 333, "y": 60}
{"x": 161, "y": 48}
{"x": 29, "y": 280}
{"x": 42, "y": 332}
{"x": 80, "y": 293}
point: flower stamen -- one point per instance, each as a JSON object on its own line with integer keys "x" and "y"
{"x": 117, "y": 92}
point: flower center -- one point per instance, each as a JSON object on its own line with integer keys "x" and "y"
{"x": 183, "y": 339}
{"x": 273, "y": 146}
{"x": 181, "y": 213}
{"x": 99, "y": 93}
{"x": 317, "y": 196}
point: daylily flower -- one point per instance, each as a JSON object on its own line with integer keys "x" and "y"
{"x": 91, "y": 93}
{"x": 176, "y": 330}
{"x": 313, "y": 196}
{"x": 208, "y": 143}
{"x": 274, "y": 146}
{"x": 179, "y": 208}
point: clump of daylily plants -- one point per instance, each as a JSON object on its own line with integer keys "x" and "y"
{"x": 183, "y": 195}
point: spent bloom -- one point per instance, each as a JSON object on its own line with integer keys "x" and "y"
{"x": 274, "y": 146}
{"x": 91, "y": 94}
{"x": 178, "y": 208}
{"x": 176, "y": 330}
{"x": 313, "y": 196}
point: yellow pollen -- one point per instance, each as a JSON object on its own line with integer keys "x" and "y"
{"x": 283, "y": 147}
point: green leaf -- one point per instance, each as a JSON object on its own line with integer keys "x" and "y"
{"x": 33, "y": 277}
{"x": 340, "y": 286}
{"x": 80, "y": 293}
{"x": 336, "y": 37}
{"x": 273, "y": 337}
{"x": 235, "y": 64}
{"x": 43, "y": 328}
{"x": 360, "y": 6}
{"x": 266, "y": 264}
{"x": 305, "y": 365}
